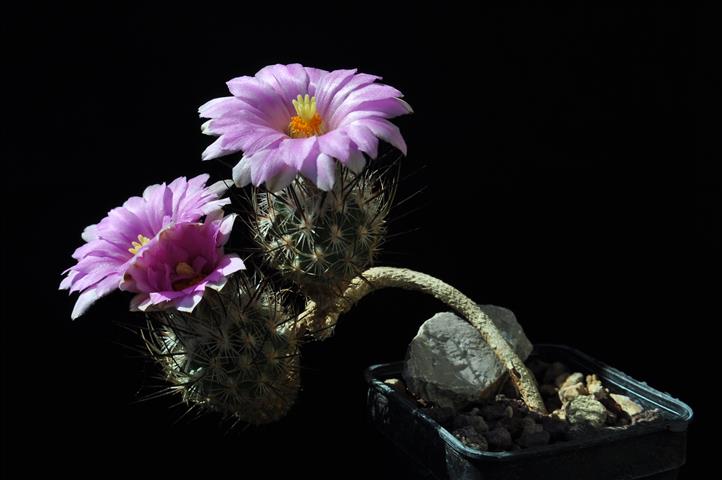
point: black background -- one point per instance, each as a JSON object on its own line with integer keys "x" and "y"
{"x": 567, "y": 178}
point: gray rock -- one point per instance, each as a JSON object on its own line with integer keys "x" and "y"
{"x": 559, "y": 381}
{"x": 448, "y": 362}
{"x": 529, "y": 427}
{"x": 595, "y": 387}
{"x": 572, "y": 387}
{"x": 499, "y": 438}
{"x": 572, "y": 379}
{"x": 495, "y": 411}
{"x": 399, "y": 386}
{"x": 647, "y": 416}
{"x": 629, "y": 406}
{"x": 557, "y": 429}
{"x": 515, "y": 425}
{"x": 570, "y": 392}
{"x": 474, "y": 421}
{"x": 586, "y": 409}
{"x": 471, "y": 438}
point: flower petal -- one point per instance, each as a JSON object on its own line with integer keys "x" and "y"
{"x": 386, "y": 131}
{"x": 388, "y": 108}
{"x": 85, "y": 300}
{"x": 281, "y": 180}
{"x": 370, "y": 93}
{"x": 220, "y": 106}
{"x": 314, "y": 77}
{"x": 357, "y": 81}
{"x": 242, "y": 172}
{"x": 248, "y": 140}
{"x": 325, "y": 168}
{"x": 220, "y": 187}
{"x": 296, "y": 151}
{"x": 231, "y": 263}
{"x": 329, "y": 86}
{"x": 363, "y": 138}
{"x": 225, "y": 228}
{"x": 140, "y": 302}
{"x": 336, "y": 144}
{"x": 90, "y": 233}
{"x": 188, "y": 303}
{"x": 356, "y": 161}
{"x": 67, "y": 282}
{"x": 88, "y": 297}
{"x": 264, "y": 98}
{"x": 268, "y": 166}
{"x": 288, "y": 81}
{"x": 214, "y": 150}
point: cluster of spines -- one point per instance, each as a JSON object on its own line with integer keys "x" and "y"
{"x": 236, "y": 353}
{"x": 321, "y": 240}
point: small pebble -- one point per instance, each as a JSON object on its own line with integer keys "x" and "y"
{"x": 586, "y": 409}
{"x": 559, "y": 381}
{"x": 569, "y": 392}
{"x": 572, "y": 379}
{"x": 515, "y": 425}
{"x": 396, "y": 384}
{"x": 441, "y": 415}
{"x": 496, "y": 411}
{"x": 629, "y": 406}
{"x": 474, "y": 421}
{"x": 595, "y": 387}
{"x": 498, "y": 438}
{"x": 529, "y": 426}
{"x": 557, "y": 428}
{"x": 646, "y": 416}
{"x": 471, "y": 438}
{"x": 580, "y": 407}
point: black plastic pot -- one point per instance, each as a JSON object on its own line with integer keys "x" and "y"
{"x": 651, "y": 451}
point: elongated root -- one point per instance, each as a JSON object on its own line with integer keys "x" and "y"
{"x": 316, "y": 318}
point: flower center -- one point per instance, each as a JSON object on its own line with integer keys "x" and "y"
{"x": 142, "y": 240}
{"x": 307, "y": 122}
{"x": 188, "y": 276}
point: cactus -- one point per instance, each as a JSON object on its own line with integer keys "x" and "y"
{"x": 321, "y": 240}
{"x": 235, "y": 354}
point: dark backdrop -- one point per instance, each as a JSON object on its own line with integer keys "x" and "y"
{"x": 558, "y": 152}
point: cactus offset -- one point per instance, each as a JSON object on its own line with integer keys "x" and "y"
{"x": 321, "y": 240}
{"x": 235, "y": 354}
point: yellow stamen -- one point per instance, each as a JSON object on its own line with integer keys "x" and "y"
{"x": 184, "y": 270}
{"x": 189, "y": 277}
{"x": 307, "y": 122}
{"x": 142, "y": 240}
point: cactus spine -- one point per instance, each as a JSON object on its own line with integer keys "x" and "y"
{"x": 235, "y": 354}
{"x": 321, "y": 240}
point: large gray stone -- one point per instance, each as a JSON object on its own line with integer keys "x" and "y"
{"x": 450, "y": 364}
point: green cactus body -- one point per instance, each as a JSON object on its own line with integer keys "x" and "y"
{"x": 235, "y": 354}
{"x": 321, "y": 240}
